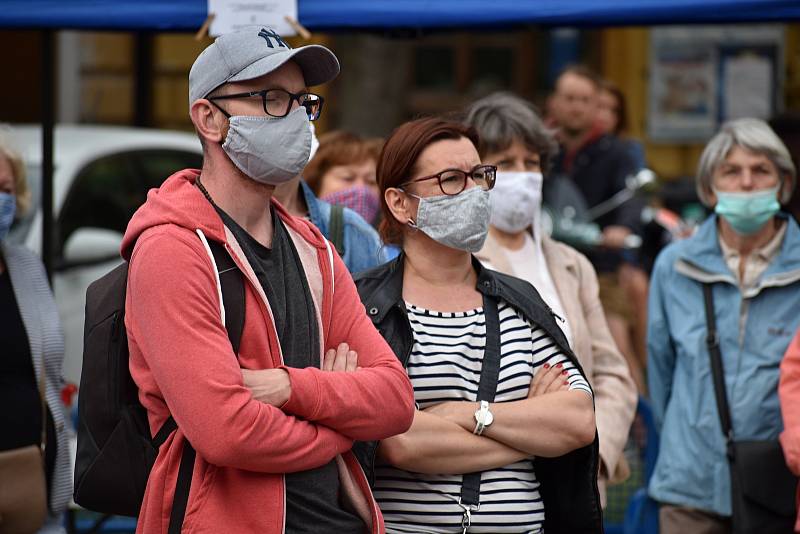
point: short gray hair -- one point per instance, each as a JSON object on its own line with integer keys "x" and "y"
{"x": 502, "y": 118}
{"x": 754, "y": 135}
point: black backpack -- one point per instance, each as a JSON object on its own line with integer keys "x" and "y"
{"x": 115, "y": 448}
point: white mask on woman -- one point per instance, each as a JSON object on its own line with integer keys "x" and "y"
{"x": 516, "y": 200}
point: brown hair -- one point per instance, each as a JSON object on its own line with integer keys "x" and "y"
{"x": 399, "y": 157}
{"x": 622, "y": 115}
{"x": 337, "y": 148}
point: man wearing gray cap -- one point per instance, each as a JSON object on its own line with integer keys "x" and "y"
{"x": 264, "y": 430}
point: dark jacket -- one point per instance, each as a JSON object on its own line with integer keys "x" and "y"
{"x": 599, "y": 170}
{"x": 568, "y": 482}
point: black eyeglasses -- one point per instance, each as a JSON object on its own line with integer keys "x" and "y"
{"x": 278, "y": 103}
{"x": 454, "y": 181}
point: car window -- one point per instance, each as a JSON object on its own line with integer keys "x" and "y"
{"x": 107, "y": 192}
{"x": 153, "y": 167}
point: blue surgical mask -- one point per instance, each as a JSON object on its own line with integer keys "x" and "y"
{"x": 8, "y": 208}
{"x": 458, "y": 221}
{"x": 747, "y": 212}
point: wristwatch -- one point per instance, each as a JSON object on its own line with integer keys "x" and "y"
{"x": 483, "y": 418}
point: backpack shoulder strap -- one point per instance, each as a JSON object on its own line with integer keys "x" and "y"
{"x": 230, "y": 278}
{"x": 336, "y": 228}
{"x": 232, "y": 286}
{"x": 717, "y": 370}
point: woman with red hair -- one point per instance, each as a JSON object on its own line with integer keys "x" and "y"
{"x": 504, "y": 438}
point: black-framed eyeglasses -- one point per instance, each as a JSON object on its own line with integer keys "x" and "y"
{"x": 278, "y": 102}
{"x": 454, "y": 181}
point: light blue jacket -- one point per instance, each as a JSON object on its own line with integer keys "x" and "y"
{"x": 362, "y": 246}
{"x": 692, "y": 468}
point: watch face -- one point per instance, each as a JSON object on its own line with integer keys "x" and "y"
{"x": 484, "y": 416}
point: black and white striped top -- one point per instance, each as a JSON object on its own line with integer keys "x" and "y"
{"x": 445, "y": 365}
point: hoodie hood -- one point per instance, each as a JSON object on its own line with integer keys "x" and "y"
{"x": 180, "y": 203}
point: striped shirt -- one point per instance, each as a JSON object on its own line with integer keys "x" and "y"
{"x": 445, "y": 365}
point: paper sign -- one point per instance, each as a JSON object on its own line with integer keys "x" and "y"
{"x": 748, "y": 87}
{"x": 232, "y": 15}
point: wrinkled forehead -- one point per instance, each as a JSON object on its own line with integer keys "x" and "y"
{"x": 447, "y": 154}
{"x": 740, "y": 155}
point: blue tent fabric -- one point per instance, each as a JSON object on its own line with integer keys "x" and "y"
{"x": 189, "y": 15}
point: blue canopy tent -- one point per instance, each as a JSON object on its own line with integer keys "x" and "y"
{"x": 380, "y": 15}
{"x": 355, "y": 15}
{"x": 188, "y": 15}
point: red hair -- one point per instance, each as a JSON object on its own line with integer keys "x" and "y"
{"x": 398, "y": 160}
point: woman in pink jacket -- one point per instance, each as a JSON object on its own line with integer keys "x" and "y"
{"x": 789, "y": 393}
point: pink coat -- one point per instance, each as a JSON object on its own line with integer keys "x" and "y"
{"x": 789, "y": 393}
{"x": 614, "y": 390}
{"x": 183, "y": 364}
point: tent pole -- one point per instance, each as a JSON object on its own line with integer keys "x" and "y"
{"x": 143, "y": 88}
{"x": 48, "y": 124}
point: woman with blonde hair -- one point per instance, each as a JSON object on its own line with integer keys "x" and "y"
{"x": 35, "y": 481}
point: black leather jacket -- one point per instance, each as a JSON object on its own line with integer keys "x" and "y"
{"x": 568, "y": 482}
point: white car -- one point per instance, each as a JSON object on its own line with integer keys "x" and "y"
{"x": 102, "y": 175}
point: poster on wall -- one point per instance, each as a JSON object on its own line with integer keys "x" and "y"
{"x": 683, "y": 93}
{"x": 703, "y": 76}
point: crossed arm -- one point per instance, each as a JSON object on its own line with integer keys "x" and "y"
{"x": 441, "y": 439}
{"x": 273, "y": 386}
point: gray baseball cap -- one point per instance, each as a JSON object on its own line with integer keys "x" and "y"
{"x": 252, "y": 52}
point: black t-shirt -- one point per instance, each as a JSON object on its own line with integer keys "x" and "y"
{"x": 313, "y": 497}
{"x": 20, "y": 402}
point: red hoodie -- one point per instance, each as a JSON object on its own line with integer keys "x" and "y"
{"x": 183, "y": 363}
{"x": 789, "y": 393}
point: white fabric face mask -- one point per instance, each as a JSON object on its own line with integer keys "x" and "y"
{"x": 516, "y": 201}
{"x": 269, "y": 150}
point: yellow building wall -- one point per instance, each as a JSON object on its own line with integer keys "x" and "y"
{"x": 173, "y": 55}
{"x": 625, "y": 59}
{"x": 107, "y": 76}
{"x": 107, "y": 91}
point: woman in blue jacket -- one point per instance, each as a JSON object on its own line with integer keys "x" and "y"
{"x": 750, "y": 254}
